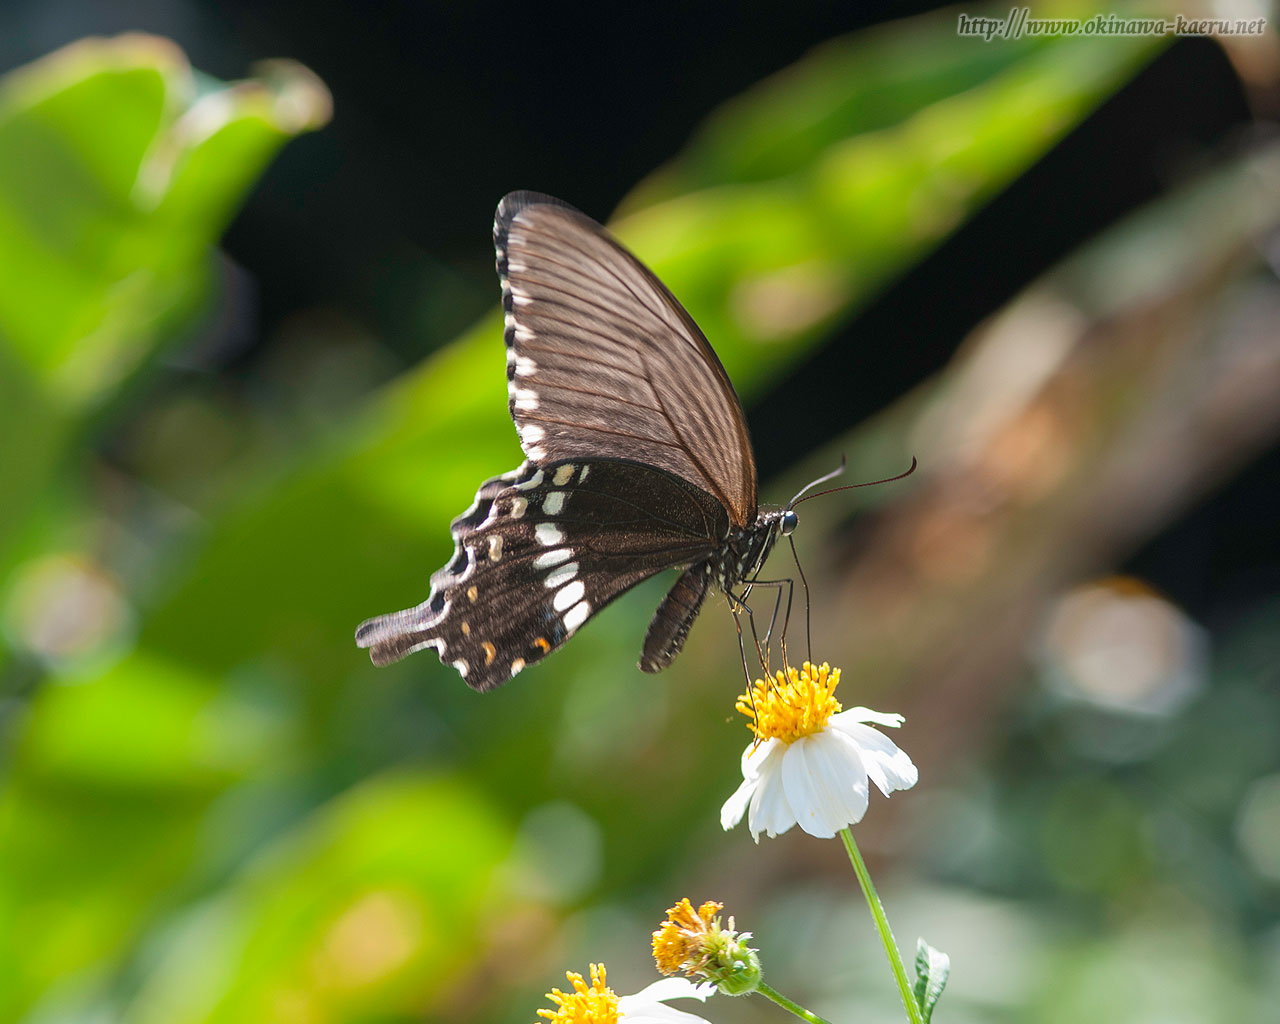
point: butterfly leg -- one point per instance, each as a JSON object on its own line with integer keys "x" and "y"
{"x": 778, "y": 585}
{"x": 804, "y": 583}
{"x": 735, "y": 610}
{"x": 742, "y": 646}
{"x": 768, "y": 633}
{"x": 786, "y": 615}
{"x": 738, "y": 604}
{"x": 773, "y": 621}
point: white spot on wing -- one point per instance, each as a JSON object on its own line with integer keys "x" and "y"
{"x": 462, "y": 667}
{"x": 553, "y": 503}
{"x": 531, "y": 483}
{"x": 562, "y": 575}
{"x": 469, "y": 568}
{"x": 495, "y": 548}
{"x": 568, "y": 596}
{"x": 583, "y": 476}
{"x": 525, "y": 367}
{"x": 548, "y": 534}
{"x": 523, "y": 333}
{"x": 517, "y": 665}
{"x": 549, "y": 558}
{"x": 531, "y": 433}
{"x": 518, "y": 505}
{"x": 563, "y": 474}
{"x": 576, "y": 615}
{"x": 526, "y": 399}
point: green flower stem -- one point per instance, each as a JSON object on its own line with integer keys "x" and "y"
{"x": 787, "y": 1004}
{"x": 882, "y": 926}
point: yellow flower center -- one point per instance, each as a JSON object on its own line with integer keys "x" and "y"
{"x": 586, "y": 1004}
{"x": 792, "y": 706}
{"x": 682, "y": 936}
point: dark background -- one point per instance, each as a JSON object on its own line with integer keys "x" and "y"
{"x": 441, "y": 109}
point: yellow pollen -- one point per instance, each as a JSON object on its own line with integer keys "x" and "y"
{"x": 680, "y": 939}
{"x": 793, "y": 706}
{"x": 586, "y": 1004}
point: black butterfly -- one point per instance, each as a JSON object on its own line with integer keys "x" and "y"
{"x": 638, "y": 461}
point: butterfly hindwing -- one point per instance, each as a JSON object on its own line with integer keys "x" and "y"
{"x": 604, "y": 362}
{"x": 540, "y": 551}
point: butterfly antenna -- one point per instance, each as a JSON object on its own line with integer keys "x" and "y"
{"x": 821, "y": 480}
{"x": 848, "y": 487}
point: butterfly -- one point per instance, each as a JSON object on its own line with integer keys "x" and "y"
{"x": 637, "y": 460}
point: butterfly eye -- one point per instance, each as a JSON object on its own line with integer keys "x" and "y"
{"x": 789, "y": 523}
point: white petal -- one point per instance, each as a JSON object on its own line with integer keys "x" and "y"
{"x": 655, "y": 1013}
{"x": 647, "y": 1006}
{"x": 770, "y": 813}
{"x": 673, "y": 988}
{"x": 736, "y": 806}
{"x": 755, "y": 756}
{"x": 886, "y": 763}
{"x": 861, "y": 714}
{"x": 825, "y": 783}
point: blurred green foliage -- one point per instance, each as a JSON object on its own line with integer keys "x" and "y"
{"x": 214, "y": 809}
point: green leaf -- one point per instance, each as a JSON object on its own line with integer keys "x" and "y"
{"x": 371, "y": 906}
{"x": 933, "y": 968}
{"x": 117, "y": 176}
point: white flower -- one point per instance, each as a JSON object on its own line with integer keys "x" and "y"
{"x": 811, "y": 762}
{"x": 648, "y": 1006}
{"x": 597, "y": 1003}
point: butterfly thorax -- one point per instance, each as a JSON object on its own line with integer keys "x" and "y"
{"x": 745, "y": 550}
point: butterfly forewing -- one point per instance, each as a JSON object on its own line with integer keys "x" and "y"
{"x": 603, "y": 362}
{"x": 539, "y": 552}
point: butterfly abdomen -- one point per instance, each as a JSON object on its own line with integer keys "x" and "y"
{"x": 671, "y": 623}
